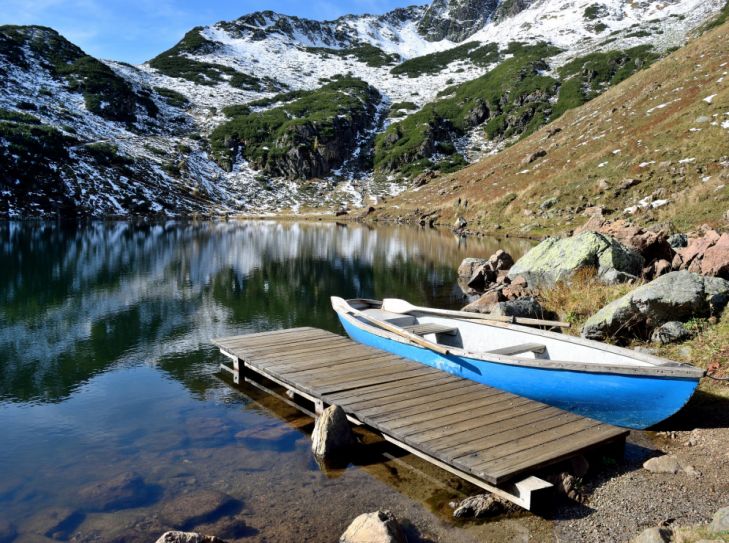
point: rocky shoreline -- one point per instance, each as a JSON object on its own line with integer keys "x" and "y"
{"x": 655, "y": 495}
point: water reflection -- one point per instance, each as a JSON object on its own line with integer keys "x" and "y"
{"x": 76, "y": 300}
{"x": 107, "y": 373}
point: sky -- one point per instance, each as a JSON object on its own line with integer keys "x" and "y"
{"x": 137, "y": 30}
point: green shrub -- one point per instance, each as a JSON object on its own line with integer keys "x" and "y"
{"x": 105, "y": 93}
{"x": 365, "y": 53}
{"x": 18, "y": 117}
{"x": 409, "y": 106}
{"x": 513, "y": 96}
{"x": 281, "y": 97}
{"x": 585, "y": 77}
{"x": 595, "y": 11}
{"x": 172, "y": 97}
{"x": 236, "y": 110}
{"x": 312, "y": 120}
{"x": 482, "y": 55}
{"x": 106, "y": 154}
{"x": 175, "y": 63}
{"x": 31, "y": 156}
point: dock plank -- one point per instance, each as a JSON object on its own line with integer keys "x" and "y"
{"x": 478, "y": 430}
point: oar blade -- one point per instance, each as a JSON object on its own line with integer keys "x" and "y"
{"x": 396, "y": 305}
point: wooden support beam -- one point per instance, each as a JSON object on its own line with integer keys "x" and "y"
{"x": 529, "y": 493}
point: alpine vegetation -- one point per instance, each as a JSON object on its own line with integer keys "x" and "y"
{"x": 270, "y": 112}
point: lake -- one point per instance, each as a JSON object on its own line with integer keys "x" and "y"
{"x": 107, "y": 374}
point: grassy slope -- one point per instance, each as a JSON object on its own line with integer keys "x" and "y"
{"x": 500, "y": 190}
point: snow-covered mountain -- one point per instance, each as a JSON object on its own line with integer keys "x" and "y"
{"x": 272, "y": 112}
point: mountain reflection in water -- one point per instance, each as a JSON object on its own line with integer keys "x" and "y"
{"x": 106, "y": 369}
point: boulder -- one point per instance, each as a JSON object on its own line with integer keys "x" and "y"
{"x": 377, "y": 527}
{"x": 485, "y": 302}
{"x": 678, "y": 241}
{"x": 484, "y": 275}
{"x": 716, "y": 258}
{"x": 663, "y": 464}
{"x": 332, "y": 437}
{"x": 482, "y": 505}
{"x": 556, "y": 260}
{"x": 651, "y": 245}
{"x": 720, "y": 522}
{"x": 670, "y": 332}
{"x": 536, "y": 155}
{"x": 661, "y": 267}
{"x": 187, "y": 537}
{"x": 469, "y": 266}
{"x": 8, "y": 531}
{"x": 501, "y": 260}
{"x": 514, "y": 292}
{"x": 189, "y": 510}
{"x": 696, "y": 247}
{"x": 675, "y": 296}
{"x": 120, "y": 492}
{"x": 654, "y": 535}
{"x": 523, "y": 307}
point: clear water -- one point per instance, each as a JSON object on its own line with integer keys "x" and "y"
{"x": 106, "y": 369}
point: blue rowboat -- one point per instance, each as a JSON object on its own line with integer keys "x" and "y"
{"x": 611, "y": 384}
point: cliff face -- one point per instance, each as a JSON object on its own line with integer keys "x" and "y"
{"x": 457, "y": 20}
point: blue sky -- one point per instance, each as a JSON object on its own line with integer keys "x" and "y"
{"x": 137, "y": 30}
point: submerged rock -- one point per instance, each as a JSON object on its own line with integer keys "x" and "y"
{"x": 377, "y": 527}
{"x": 55, "y": 523}
{"x": 674, "y": 296}
{"x": 8, "y": 532}
{"x": 120, "y": 492}
{"x": 556, "y": 260}
{"x": 187, "y": 537}
{"x": 332, "y": 437}
{"x": 189, "y": 510}
{"x": 480, "y": 506}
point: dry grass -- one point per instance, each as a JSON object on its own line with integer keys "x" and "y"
{"x": 695, "y": 534}
{"x": 709, "y": 349}
{"x": 656, "y": 127}
{"x": 575, "y": 301}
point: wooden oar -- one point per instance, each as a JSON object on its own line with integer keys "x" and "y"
{"x": 341, "y": 305}
{"x": 395, "y": 305}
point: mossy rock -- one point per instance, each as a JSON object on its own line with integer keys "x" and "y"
{"x": 556, "y": 260}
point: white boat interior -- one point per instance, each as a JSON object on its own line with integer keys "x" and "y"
{"x": 511, "y": 343}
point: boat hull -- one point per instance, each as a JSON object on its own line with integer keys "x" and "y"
{"x": 631, "y": 401}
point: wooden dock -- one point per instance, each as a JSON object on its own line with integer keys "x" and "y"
{"x": 491, "y": 438}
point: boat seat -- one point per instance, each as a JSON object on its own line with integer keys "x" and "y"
{"x": 431, "y": 328}
{"x": 393, "y": 318}
{"x": 536, "y": 348}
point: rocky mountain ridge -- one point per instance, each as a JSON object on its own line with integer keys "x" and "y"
{"x": 240, "y": 116}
